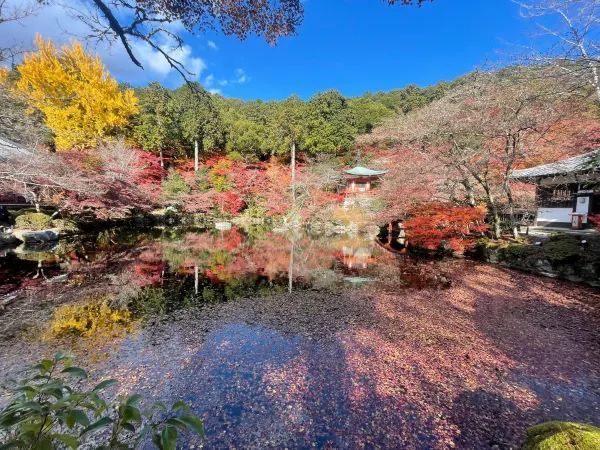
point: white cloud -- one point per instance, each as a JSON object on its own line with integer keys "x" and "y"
{"x": 215, "y": 91}
{"x": 209, "y": 80}
{"x": 54, "y": 22}
{"x": 212, "y": 45}
{"x": 240, "y": 76}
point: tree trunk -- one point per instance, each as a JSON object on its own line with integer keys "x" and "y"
{"x": 162, "y": 161}
{"x": 511, "y": 208}
{"x": 495, "y": 216}
{"x": 593, "y": 69}
{"x": 291, "y": 266}
{"x": 469, "y": 191}
{"x": 196, "y": 155}
{"x": 293, "y": 171}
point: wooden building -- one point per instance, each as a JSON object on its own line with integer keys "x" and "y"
{"x": 567, "y": 191}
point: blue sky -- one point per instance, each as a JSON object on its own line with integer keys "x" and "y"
{"x": 365, "y": 45}
{"x": 350, "y": 45}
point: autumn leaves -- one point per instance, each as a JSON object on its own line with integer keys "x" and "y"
{"x": 82, "y": 104}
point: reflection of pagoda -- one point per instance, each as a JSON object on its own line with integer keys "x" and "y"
{"x": 359, "y": 182}
{"x": 359, "y": 258}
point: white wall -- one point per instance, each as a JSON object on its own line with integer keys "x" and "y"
{"x": 554, "y": 215}
{"x": 583, "y": 207}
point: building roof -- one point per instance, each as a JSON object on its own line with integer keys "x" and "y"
{"x": 364, "y": 172}
{"x": 581, "y": 163}
{"x": 9, "y": 150}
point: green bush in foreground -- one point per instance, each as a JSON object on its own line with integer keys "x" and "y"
{"x": 562, "y": 436}
{"x": 49, "y": 410}
{"x": 33, "y": 221}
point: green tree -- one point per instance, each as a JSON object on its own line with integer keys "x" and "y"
{"x": 369, "y": 113}
{"x": 155, "y": 128}
{"x": 247, "y": 127}
{"x": 197, "y": 119}
{"x": 330, "y": 124}
{"x": 289, "y": 128}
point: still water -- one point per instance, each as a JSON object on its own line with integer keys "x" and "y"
{"x": 300, "y": 341}
{"x": 157, "y": 305}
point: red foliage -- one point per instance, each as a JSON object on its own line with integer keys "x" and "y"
{"x": 229, "y": 202}
{"x": 149, "y": 174}
{"x": 199, "y": 202}
{"x": 595, "y": 221}
{"x": 115, "y": 199}
{"x": 434, "y": 225}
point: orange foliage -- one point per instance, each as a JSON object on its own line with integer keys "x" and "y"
{"x": 437, "y": 225}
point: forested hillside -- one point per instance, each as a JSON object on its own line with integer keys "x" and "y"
{"x": 461, "y": 148}
{"x": 446, "y": 147}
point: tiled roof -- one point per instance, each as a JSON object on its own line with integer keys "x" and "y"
{"x": 581, "y": 163}
{"x": 364, "y": 172}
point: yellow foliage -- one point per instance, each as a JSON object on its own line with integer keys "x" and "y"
{"x": 3, "y": 74}
{"x": 81, "y": 102}
{"x": 95, "y": 319}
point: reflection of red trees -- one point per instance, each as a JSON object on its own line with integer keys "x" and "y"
{"x": 433, "y": 224}
{"x": 149, "y": 266}
{"x": 232, "y": 240}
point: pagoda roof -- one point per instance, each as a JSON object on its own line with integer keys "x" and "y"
{"x": 360, "y": 171}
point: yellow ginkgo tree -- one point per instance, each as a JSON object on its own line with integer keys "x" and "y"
{"x": 82, "y": 104}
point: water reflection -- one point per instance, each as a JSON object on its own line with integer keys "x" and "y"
{"x": 144, "y": 275}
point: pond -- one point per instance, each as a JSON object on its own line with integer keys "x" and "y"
{"x": 305, "y": 341}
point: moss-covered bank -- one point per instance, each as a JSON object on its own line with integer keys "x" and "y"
{"x": 561, "y": 256}
{"x": 562, "y": 436}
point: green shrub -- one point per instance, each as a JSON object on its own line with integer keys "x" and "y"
{"x": 591, "y": 253}
{"x": 203, "y": 179}
{"x": 220, "y": 183}
{"x": 520, "y": 253}
{"x": 562, "y": 436}
{"x": 235, "y": 156}
{"x": 65, "y": 225}
{"x": 48, "y": 409}
{"x": 254, "y": 211}
{"x": 33, "y": 221}
{"x": 562, "y": 249}
{"x": 174, "y": 185}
